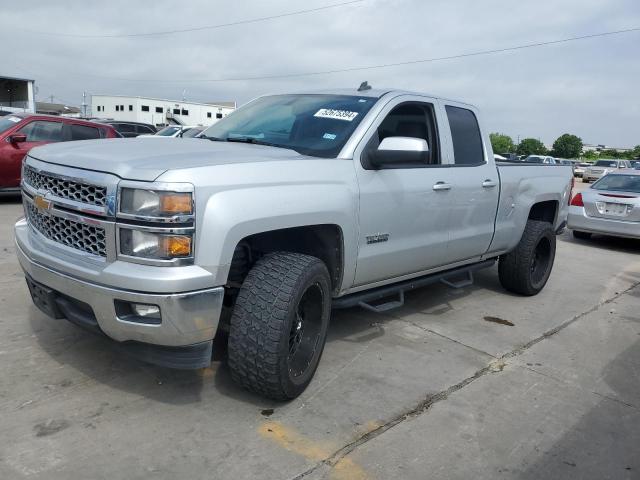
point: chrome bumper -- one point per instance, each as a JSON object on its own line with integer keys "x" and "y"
{"x": 187, "y": 318}
{"x": 578, "y": 220}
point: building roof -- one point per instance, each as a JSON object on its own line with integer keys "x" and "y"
{"x": 223, "y": 104}
{"x": 57, "y": 108}
{"x": 4, "y": 77}
{"x": 216, "y": 104}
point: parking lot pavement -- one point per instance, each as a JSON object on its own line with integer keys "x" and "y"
{"x": 457, "y": 383}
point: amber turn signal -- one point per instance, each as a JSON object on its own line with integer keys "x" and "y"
{"x": 176, "y": 203}
{"x": 176, "y": 245}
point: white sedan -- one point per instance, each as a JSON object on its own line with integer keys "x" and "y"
{"x": 172, "y": 131}
{"x": 610, "y": 207}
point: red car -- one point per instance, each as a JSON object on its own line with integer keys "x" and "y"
{"x": 20, "y": 132}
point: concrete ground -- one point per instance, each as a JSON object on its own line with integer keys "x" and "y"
{"x": 457, "y": 384}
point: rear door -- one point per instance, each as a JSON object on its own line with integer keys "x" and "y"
{"x": 38, "y": 132}
{"x": 81, "y": 132}
{"x": 475, "y": 185}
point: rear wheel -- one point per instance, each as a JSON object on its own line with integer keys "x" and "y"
{"x": 526, "y": 269}
{"x": 581, "y": 235}
{"x": 279, "y": 324}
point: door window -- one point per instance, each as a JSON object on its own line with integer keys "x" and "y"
{"x": 83, "y": 132}
{"x": 43, "y": 131}
{"x": 416, "y": 120}
{"x": 465, "y": 133}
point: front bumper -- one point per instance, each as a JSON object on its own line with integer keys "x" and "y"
{"x": 189, "y": 320}
{"x": 578, "y": 220}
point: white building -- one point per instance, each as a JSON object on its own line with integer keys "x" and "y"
{"x": 17, "y": 95}
{"x": 158, "y": 112}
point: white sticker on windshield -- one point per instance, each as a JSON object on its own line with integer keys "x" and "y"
{"x": 13, "y": 119}
{"x": 329, "y": 136}
{"x": 336, "y": 114}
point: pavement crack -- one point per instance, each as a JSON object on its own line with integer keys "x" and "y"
{"x": 617, "y": 400}
{"x": 430, "y": 401}
{"x": 458, "y": 342}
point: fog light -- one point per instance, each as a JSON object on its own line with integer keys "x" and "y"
{"x": 138, "y": 312}
{"x": 147, "y": 311}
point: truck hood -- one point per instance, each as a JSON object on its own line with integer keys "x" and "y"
{"x": 146, "y": 159}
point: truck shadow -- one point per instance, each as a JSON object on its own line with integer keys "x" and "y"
{"x": 6, "y": 198}
{"x": 101, "y": 360}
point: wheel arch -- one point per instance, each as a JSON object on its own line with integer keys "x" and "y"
{"x": 324, "y": 241}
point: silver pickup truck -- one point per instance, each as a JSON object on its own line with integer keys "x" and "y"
{"x": 291, "y": 206}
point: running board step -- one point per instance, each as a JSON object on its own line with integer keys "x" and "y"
{"x": 384, "y": 307}
{"x": 464, "y": 282}
{"x": 366, "y": 298}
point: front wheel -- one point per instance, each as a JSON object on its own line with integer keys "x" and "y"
{"x": 526, "y": 269}
{"x": 279, "y": 324}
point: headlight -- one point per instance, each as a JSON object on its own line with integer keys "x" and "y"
{"x": 155, "y": 246}
{"x": 154, "y": 203}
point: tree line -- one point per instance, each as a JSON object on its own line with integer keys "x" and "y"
{"x": 565, "y": 146}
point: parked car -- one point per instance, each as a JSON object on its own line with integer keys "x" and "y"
{"x": 578, "y": 171}
{"x": 544, "y": 159}
{"x": 20, "y": 132}
{"x": 193, "y": 132}
{"x": 602, "y": 167}
{"x": 171, "y": 131}
{"x": 297, "y": 204}
{"x": 131, "y": 129}
{"x": 611, "y": 206}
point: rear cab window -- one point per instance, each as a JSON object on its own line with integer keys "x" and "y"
{"x": 465, "y": 134}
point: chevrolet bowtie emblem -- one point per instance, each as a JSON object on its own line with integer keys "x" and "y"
{"x": 41, "y": 202}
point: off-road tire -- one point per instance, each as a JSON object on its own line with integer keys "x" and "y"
{"x": 520, "y": 270}
{"x": 581, "y": 235}
{"x": 265, "y": 317}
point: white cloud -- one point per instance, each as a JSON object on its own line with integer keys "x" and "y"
{"x": 588, "y": 88}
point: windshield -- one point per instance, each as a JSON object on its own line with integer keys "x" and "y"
{"x": 168, "y": 131}
{"x": 606, "y": 163}
{"x": 192, "y": 132}
{"x": 619, "y": 183}
{"x": 317, "y": 125}
{"x": 7, "y": 122}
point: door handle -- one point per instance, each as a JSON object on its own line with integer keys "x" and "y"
{"x": 442, "y": 186}
{"x": 488, "y": 183}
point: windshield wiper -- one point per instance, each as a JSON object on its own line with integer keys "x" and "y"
{"x": 255, "y": 141}
{"x": 213, "y": 139}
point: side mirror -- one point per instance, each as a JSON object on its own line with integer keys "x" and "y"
{"x": 400, "y": 150}
{"x": 17, "y": 138}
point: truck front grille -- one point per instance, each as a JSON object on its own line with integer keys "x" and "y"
{"x": 80, "y": 236}
{"x": 65, "y": 188}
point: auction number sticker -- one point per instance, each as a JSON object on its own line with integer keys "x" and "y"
{"x": 336, "y": 114}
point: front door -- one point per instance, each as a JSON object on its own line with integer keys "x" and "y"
{"x": 404, "y": 210}
{"x": 38, "y": 132}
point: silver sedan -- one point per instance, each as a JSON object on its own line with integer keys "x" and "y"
{"x": 611, "y": 206}
{"x": 603, "y": 167}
